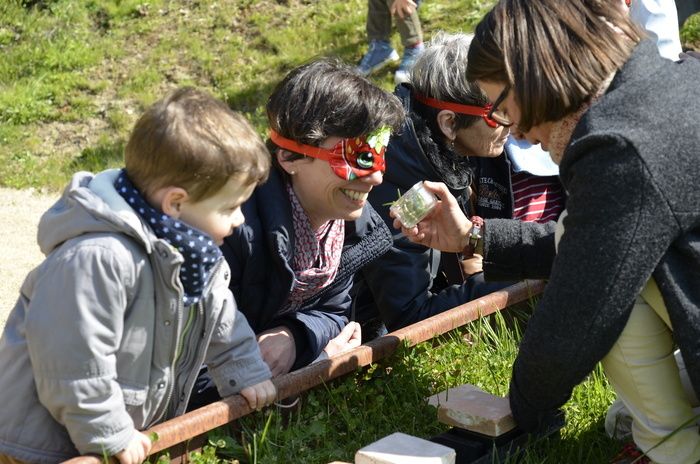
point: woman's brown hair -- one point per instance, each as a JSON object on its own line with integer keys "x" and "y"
{"x": 553, "y": 54}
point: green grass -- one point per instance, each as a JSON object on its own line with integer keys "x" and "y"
{"x": 76, "y": 74}
{"x": 337, "y": 419}
{"x": 690, "y": 33}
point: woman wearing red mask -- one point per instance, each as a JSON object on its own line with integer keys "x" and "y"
{"x": 309, "y": 227}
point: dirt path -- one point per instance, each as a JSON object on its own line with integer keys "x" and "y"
{"x": 20, "y": 211}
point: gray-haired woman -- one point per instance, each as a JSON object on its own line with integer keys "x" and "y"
{"x": 448, "y": 137}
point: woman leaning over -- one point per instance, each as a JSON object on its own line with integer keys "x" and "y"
{"x": 447, "y": 137}
{"x": 309, "y": 227}
{"x": 577, "y": 78}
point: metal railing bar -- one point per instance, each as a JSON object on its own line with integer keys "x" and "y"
{"x": 204, "y": 419}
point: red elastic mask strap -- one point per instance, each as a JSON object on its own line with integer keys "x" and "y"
{"x": 296, "y": 147}
{"x": 456, "y": 107}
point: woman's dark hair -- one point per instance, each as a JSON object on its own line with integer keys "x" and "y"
{"x": 326, "y": 98}
{"x": 554, "y": 54}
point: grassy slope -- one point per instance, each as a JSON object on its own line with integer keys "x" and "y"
{"x": 75, "y": 74}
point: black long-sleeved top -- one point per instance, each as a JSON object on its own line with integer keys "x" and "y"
{"x": 631, "y": 171}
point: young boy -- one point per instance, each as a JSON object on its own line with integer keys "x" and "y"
{"x": 109, "y": 332}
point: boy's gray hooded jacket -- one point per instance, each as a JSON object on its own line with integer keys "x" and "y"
{"x": 99, "y": 344}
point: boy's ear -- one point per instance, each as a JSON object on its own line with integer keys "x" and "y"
{"x": 170, "y": 200}
{"x": 446, "y": 121}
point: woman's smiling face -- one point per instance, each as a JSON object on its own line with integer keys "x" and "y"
{"x": 325, "y": 196}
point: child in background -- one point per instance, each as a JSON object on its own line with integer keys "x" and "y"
{"x": 109, "y": 332}
{"x": 380, "y": 52}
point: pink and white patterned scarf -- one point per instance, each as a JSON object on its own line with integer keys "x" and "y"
{"x": 316, "y": 254}
{"x": 563, "y": 129}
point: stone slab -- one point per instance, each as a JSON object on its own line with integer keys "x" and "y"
{"x": 468, "y": 407}
{"x": 443, "y": 396}
{"x": 400, "y": 448}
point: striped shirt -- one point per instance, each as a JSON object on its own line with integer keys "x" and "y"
{"x": 535, "y": 198}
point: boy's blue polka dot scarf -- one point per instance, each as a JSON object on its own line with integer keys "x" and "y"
{"x": 198, "y": 249}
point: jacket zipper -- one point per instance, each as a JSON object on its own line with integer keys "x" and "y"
{"x": 204, "y": 339}
{"x": 181, "y": 338}
{"x": 171, "y": 380}
{"x": 183, "y": 335}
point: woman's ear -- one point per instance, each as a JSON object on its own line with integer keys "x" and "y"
{"x": 447, "y": 122}
{"x": 170, "y": 200}
{"x": 289, "y": 166}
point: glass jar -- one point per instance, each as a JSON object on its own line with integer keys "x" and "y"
{"x": 414, "y": 205}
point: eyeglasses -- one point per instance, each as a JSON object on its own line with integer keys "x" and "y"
{"x": 497, "y": 115}
{"x": 471, "y": 110}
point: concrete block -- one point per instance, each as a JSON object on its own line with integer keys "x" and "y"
{"x": 471, "y": 408}
{"x": 399, "y": 448}
{"x": 439, "y": 398}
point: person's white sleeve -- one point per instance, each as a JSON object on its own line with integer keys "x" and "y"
{"x": 659, "y": 19}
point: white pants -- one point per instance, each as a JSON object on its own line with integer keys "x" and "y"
{"x": 642, "y": 370}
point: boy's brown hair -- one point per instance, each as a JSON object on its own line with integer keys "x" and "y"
{"x": 191, "y": 140}
{"x": 554, "y": 55}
